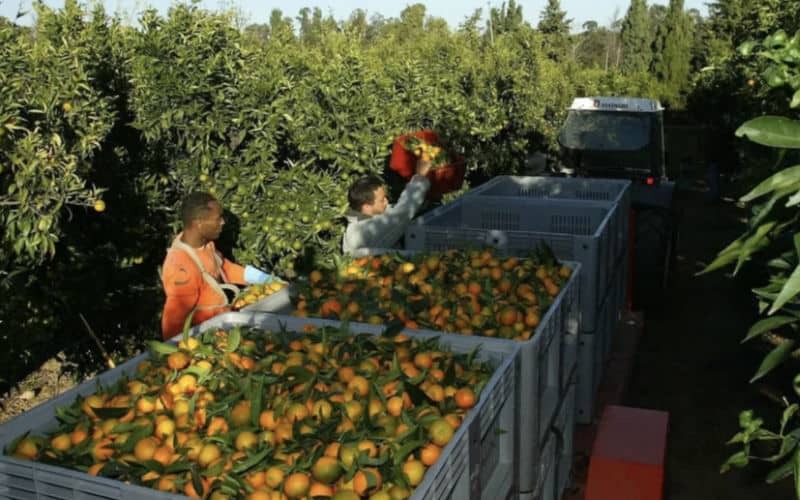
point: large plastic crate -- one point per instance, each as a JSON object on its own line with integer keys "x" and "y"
{"x": 559, "y": 450}
{"x": 575, "y": 231}
{"x": 616, "y": 294}
{"x": 542, "y": 375}
{"x": 616, "y": 191}
{"x": 26, "y": 480}
{"x": 565, "y": 423}
{"x": 479, "y": 462}
{"x": 593, "y": 349}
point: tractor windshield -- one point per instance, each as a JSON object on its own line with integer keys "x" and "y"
{"x": 605, "y": 131}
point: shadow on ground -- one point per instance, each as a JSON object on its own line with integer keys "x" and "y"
{"x": 690, "y": 363}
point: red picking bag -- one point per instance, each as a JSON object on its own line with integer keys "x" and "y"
{"x": 444, "y": 178}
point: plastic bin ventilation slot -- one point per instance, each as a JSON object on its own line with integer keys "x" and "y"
{"x": 574, "y": 230}
{"x": 478, "y": 463}
{"x": 615, "y": 191}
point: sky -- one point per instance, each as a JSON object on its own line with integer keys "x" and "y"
{"x": 453, "y": 11}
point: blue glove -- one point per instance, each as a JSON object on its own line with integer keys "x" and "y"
{"x": 256, "y": 276}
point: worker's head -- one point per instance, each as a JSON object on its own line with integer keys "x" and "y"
{"x": 368, "y": 195}
{"x": 202, "y": 213}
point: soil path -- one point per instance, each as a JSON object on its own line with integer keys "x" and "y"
{"x": 691, "y": 364}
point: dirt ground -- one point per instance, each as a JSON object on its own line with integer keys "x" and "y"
{"x": 690, "y": 363}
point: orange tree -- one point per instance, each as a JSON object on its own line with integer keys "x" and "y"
{"x": 276, "y": 128}
{"x": 773, "y": 229}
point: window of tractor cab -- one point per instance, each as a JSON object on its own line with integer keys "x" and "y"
{"x": 605, "y": 131}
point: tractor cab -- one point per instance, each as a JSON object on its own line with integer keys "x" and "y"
{"x": 614, "y": 137}
{"x": 623, "y": 138}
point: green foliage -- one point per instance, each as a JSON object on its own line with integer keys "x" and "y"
{"x": 505, "y": 19}
{"x": 636, "y": 37}
{"x": 672, "y": 56}
{"x": 774, "y": 226}
{"x": 554, "y": 25}
{"x": 275, "y": 125}
{"x": 51, "y": 122}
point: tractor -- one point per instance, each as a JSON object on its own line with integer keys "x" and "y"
{"x": 623, "y": 138}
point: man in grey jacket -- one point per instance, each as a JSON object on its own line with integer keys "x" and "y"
{"x": 371, "y": 221}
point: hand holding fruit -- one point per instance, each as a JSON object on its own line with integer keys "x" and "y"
{"x": 423, "y": 166}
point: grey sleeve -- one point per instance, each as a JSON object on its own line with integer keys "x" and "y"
{"x": 383, "y": 231}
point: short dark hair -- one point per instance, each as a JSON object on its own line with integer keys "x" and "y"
{"x": 363, "y": 191}
{"x": 195, "y": 206}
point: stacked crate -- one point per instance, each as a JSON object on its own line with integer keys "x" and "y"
{"x": 547, "y": 360}
{"x": 479, "y": 463}
{"x": 584, "y": 220}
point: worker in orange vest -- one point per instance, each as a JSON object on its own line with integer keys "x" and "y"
{"x": 195, "y": 275}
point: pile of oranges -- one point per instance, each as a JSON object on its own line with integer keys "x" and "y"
{"x": 473, "y": 292}
{"x": 252, "y": 414}
{"x": 254, "y": 293}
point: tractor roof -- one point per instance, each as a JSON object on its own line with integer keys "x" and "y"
{"x": 635, "y": 104}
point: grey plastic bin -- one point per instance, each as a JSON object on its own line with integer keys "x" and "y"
{"x": 478, "y": 457}
{"x": 542, "y": 373}
{"x": 616, "y": 191}
{"x": 565, "y": 425}
{"x": 575, "y": 231}
{"x": 594, "y": 348}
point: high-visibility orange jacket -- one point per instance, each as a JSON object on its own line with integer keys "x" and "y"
{"x": 195, "y": 278}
